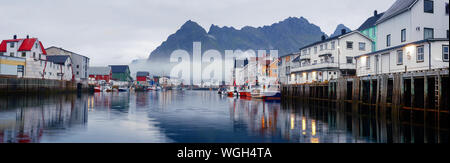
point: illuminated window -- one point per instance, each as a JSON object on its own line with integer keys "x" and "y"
{"x": 420, "y": 54}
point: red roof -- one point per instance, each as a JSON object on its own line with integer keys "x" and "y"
{"x": 27, "y": 44}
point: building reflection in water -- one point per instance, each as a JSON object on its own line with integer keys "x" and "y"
{"x": 327, "y": 122}
{"x": 25, "y": 119}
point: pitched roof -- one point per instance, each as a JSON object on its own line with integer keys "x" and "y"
{"x": 119, "y": 68}
{"x": 60, "y": 59}
{"x": 400, "y": 6}
{"x": 333, "y": 38}
{"x": 99, "y": 71}
{"x": 27, "y": 44}
{"x": 142, "y": 74}
{"x": 370, "y": 22}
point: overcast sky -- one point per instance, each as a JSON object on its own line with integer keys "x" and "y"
{"x": 118, "y": 31}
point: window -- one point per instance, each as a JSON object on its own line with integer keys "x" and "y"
{"x": 428, "y": 6}
{"x": 11, "y": 54}
{"x": 11, "y": 45}
{"x": 400, "y": 57}
{"x": 368, "y": 62}
{"x": 349, "y": 60}
{"x": 315, "y": 50}
{"x": 315, "y": 62}
{"x": 36, "y": 45}
{"x": 445, "y": 53}
{"x": 39, "y": 56}
{"x": 388, "y": 40}
{"x": 78, "y": 66}
{"x": 428, "y": 33}
{"x": 420, "y": 54}
{"x": 326, "y": 46}
{"x": 321, "y": 47}
{"x": 362, "y": 46}
{"x": 34, "y": 54}
{"x": 24, "y": 54}
{"x": 332, "y": 45}
{"x": 349, "y": 45}
{"x": 403, "y": 35}
{"x": 446, "y": 9}
{"x": 1, "y": 54}
{"x": 78, "y": 73}
{"x": 374, "y": 34}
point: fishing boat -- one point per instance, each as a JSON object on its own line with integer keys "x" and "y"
{"x": 245, "y": 92}
{"x": 123, "y": 89}
{"x": 97, "y": 89}
{"x": 272, "y": 93}
{"x": 222, "y": 91}
{"x": 232, "y": 92}
{"x": 257, "y": 93}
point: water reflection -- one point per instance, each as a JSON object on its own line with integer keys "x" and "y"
{"x": 204, "y": 116}
{"x": 25, "y": 120}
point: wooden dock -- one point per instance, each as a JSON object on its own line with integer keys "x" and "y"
{"x": 402, "y": 90}
{"x": 12, "y": 86}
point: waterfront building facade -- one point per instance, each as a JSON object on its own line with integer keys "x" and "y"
{"x": 284, "y": 67}
{"x": 369, "y": 28}
{"x": 12, "y": 67}
{"x": 142, "y": 78}
{"x": 413, "y": 35}
{"x": 100, "y": 74}
{"x": 80, "y": 62}
{"x": 60, "y": 68}
{"x": 30, "y": 50}
{"x": 330, "y": 58}
{"x": 121, "y": 73}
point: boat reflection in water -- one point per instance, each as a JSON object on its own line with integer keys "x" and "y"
{"x": 204, "y": 117}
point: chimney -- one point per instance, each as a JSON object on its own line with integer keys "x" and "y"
{"x": 323, "y": 37}
{"x": 375, "y": 13}
{"x": 343, "y": 31}
{"x": 15, "y": 37}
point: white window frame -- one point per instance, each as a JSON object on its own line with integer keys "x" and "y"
{"x": 368, "y": 62}
{"x": 363, "y": 48}
{"x": 443, "y": 53}
{"x": 420, "y": 53}
{"x": 400, "y": 55}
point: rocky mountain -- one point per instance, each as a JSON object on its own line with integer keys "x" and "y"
{"x": 286, "y": 36}
{"x": 339, "y": 29}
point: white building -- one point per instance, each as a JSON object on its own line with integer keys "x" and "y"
{"x": 330, "y": 58}
{"x": 80, "y": 62}
{"x": 284, "y": 67}
{"x": 30, "y": 49}
{"x": 412, "y": 35}
{"x": 60, "y": 68}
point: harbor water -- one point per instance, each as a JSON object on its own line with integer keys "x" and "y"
{"x": 206, "y": 117}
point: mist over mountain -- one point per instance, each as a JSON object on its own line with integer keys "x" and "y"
{"x": 286, "y": 36}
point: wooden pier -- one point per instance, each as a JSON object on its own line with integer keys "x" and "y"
{"x": 420, "y": 90}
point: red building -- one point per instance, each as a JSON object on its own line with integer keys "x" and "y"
{"x": 100, "y": 73}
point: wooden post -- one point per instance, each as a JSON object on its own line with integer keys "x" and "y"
{"x": 412, "y": 91}
{"x": 425, "y": 92}
{"x": 402, "y": 90}
{"x": 440, "y": 91}
{"x": 361, "y": 94}
{"x": 378, "y": 90}
{"x": 371, "y": 91}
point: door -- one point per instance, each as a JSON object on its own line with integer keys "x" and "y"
{"x": 385, "y": 63}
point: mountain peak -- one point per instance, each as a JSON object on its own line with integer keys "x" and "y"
{"x": 339, "y": 29}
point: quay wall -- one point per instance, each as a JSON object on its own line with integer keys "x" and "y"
{"x": 10, "y": 86}
{"x": 423, "y": 90}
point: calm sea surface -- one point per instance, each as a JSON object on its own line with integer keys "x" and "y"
{"x": 204, "y": 116}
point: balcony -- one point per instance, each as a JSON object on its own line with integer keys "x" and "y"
{"x": 318, "y": 66}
